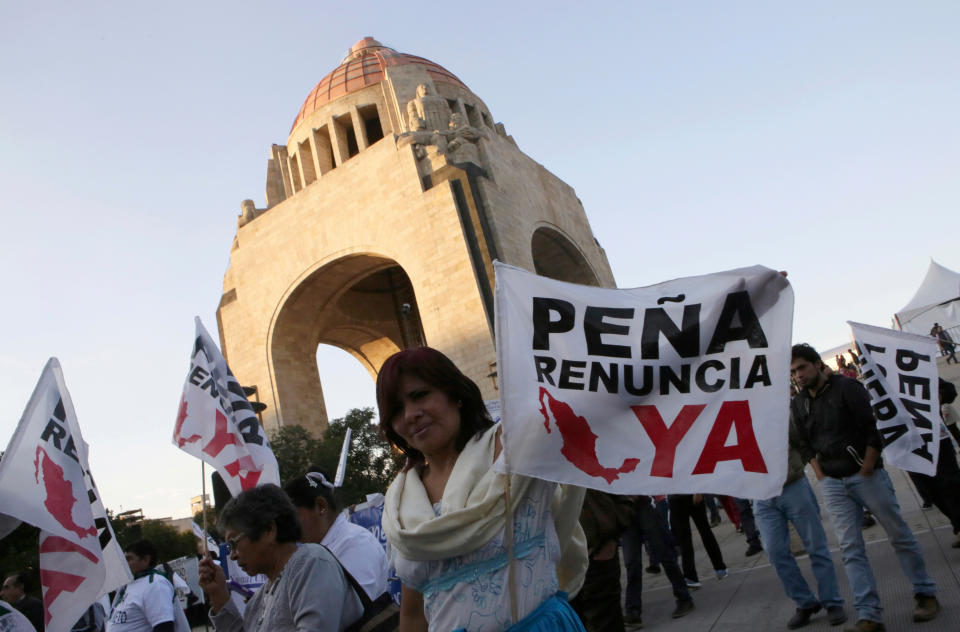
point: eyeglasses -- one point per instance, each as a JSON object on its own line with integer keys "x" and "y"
{"x": 232, "y": 543}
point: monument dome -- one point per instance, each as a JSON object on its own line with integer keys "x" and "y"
{"x": 365, "y": 65}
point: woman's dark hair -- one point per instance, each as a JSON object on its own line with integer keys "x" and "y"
{"x": 805, "y": 352}
{"x": 143, "y": 548}
{"x": 254, "y": 511}
{"x": 439, "y": 371}
{"x": 304, "y": 491}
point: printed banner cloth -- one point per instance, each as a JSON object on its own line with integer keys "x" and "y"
{"x": 899, "y": 370}
{"x": 679, "y": 387}
{"x": 45, "y": 480}
{"x": 216, "y": 423}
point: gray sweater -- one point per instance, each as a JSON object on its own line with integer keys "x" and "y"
{"x": 310, "y": 595}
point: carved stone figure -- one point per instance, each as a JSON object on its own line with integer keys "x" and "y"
{"x": 462, "y": 139}
{"x": 248, "y": 212}
{"x": 432, "y": 111}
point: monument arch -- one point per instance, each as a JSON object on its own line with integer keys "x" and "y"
{"x": 384, "y": 211}
{"x": 556, "y": 256}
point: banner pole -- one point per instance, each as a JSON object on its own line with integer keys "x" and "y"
{"x": 203, "y": 506}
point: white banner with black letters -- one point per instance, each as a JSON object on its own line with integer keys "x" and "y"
{"x": 216, "y": 423}
{"x": 679, "y": 387}
{"x": 899, "y": 370}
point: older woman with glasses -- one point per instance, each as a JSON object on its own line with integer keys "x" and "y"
{"x": 357, "y": 549}
{"x": 475, "y": 550}
{"x": 306, "y": 589}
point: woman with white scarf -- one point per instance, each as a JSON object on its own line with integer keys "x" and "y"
{"x": 477, "y": 551}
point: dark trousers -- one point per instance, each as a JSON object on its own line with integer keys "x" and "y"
{"x": 649, "y": 527}
{"x": 943, "y": 489}
{"x": 711, "y": 502}
{"x": 682, "y": 511}
{"x": 598, "y": 602}
{"x": 747, "y": 522}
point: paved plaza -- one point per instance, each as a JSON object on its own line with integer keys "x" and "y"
{"x": 751, "y": 598}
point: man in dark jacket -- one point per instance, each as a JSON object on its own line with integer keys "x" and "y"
{"x": 838, "y": 435}
{"x": 14, "y": 592}
{"x": 603, "y": 518}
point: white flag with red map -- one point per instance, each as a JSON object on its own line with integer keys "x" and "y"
{"x": 45, "y": 480}
{"x": 216, "y": 423}
{"x": 680, "y": 387}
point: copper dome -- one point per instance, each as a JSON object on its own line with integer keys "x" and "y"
{"x": 364, "y": 66}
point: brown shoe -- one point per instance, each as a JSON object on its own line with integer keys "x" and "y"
{"x": 866, "y": 625}
{"x": 927, "y": 608}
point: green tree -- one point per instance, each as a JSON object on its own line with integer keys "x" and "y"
{"x": 170, "y": 542}
{"x": 295, "y": 450}
{"x": 371, "y": 465}
{"x": 19, "y": 552}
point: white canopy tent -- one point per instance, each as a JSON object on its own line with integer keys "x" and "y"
{"x": 936, "y": 301}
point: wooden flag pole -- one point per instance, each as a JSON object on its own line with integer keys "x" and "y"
{"x": 203, "y": 506}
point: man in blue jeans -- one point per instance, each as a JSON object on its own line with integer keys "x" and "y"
{"x": 838, "y": 434}
{"x": 797, "y": 504}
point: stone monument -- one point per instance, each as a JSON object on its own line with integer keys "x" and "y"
{"x": 385, "y": 209}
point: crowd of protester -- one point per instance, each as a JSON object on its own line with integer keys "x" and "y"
{"x": 480, "y": 551}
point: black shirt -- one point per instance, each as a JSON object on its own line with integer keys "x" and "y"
{"x": 32, "y": 609}
{"x": 836, "y": 426}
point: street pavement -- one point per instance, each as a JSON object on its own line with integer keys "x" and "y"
{"x": 751, "y": 598}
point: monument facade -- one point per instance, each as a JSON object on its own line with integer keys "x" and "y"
{"x": 384, "y": 211}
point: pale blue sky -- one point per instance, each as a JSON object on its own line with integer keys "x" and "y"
{"x": 820, "y": 138}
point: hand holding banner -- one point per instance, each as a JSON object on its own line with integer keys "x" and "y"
{"x": 675, "y": 388}
{"x": 216, "y": 423}
{"x": 899, "y": 370}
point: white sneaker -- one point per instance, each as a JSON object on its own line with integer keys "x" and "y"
{"x": 692, "y": 584}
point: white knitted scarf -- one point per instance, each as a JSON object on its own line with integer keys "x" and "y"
{"x": 474, "y": 512}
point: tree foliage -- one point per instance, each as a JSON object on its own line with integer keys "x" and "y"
{"x": 19, "y": 552}
{"x": 371, "y": 465}
{"x": 170, "y": 542}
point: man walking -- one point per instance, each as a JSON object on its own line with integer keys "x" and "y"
{"x": 945, "y": 341}
{"x": 797, "y": 504}
{"x": 838, "y": 434}
{"x": 650, "y": 527}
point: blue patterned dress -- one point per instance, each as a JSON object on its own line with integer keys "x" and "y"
{"x": 470, "y": 591}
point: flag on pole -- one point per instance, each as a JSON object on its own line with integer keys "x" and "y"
{"x": 45, "y": 480}
{"x": 342, "y": 465}
{"x": 203, "y": 536}
{"x": 899, "y": 370}
{"x": 216, "y": 423}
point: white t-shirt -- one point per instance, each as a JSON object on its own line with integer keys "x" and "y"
{"x": 144, "y": 603}
{"x": 11, "y": 620}
{"x": 360, "y": 553}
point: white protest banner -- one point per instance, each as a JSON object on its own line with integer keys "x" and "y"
{"x": 188, "y": 568}
{"x": 899, "y": 370}
{"x": 45, "y": 480}
{"x": 216, "y": 423}
{"x": 679, "y": 387}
